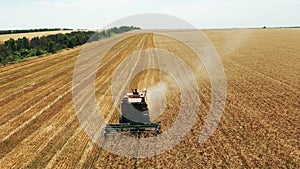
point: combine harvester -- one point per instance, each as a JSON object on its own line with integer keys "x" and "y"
{"x": 134, "y": 117}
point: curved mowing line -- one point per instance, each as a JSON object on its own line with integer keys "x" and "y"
{"x": 47, "y": 90}
{"x": 45, "y": 108}
{"x": 52, "y": 161}
{"x": 62, "y": 95}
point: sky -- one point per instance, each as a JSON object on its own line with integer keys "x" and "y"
{"x": 96, "y": 14}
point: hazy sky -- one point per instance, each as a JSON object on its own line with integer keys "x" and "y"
{"x": 95, "y": 14}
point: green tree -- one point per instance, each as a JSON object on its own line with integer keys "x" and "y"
{"x": 35, "y": 43}
{"x": 10, "y": 45}
{"x": 22, "y": 43}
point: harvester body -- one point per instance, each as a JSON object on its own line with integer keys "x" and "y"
{"x": 134, "y": 116}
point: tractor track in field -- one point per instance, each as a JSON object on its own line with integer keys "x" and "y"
{"x": 51, "y": 91}
{"x": 110, "y": 112}
{"x": 38, "y": 71}
{"x": 63, "y": 95}
{"x": 78, "y": 129}
{"x": 113, "y": 115}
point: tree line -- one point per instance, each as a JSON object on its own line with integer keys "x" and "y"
{"x": 16, "y": 50}
{"x": 2, "y": 32}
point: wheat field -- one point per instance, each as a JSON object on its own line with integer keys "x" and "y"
{"x": 259, "y": 128}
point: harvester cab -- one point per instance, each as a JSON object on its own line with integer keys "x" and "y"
{"x": 134, "y": 116}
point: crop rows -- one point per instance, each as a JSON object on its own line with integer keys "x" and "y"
{"x": 259, "y": 128}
